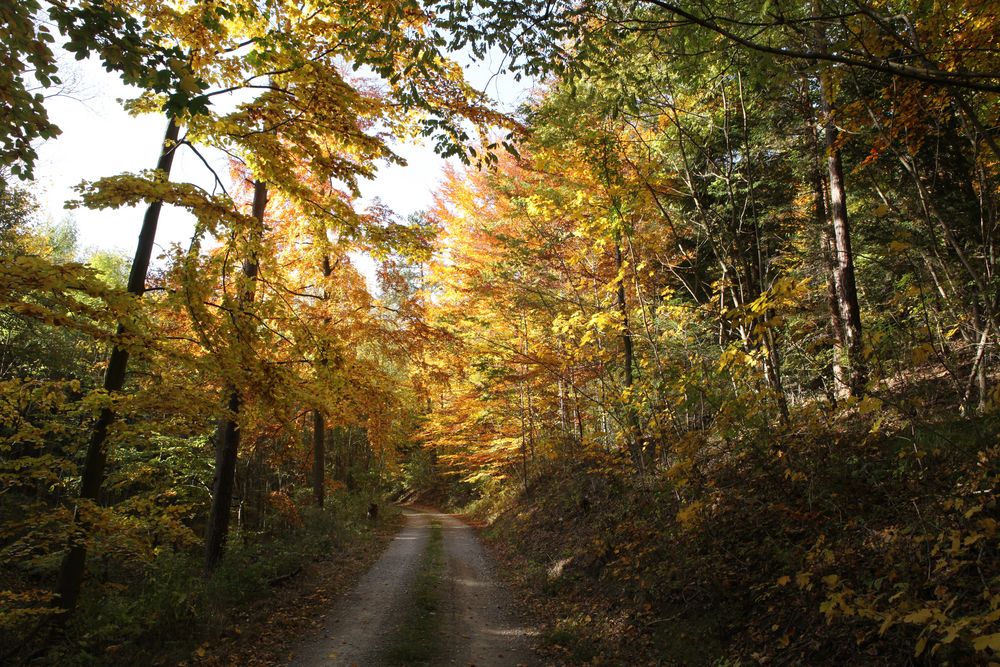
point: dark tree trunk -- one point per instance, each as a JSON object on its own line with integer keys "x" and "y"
{"x": 319, "y": 424}
{"x": 772, "y": 371}
{"x": 319, "y": 457}
{"x": 227, "y": 445}
{"x": 72, "y": 568}
{"x": 227, "y": 435}
{"x": 634, "y": 433}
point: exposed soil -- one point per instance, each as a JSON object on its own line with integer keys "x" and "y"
{"x": 479, "y": 625}
{"x": 264, "y": 633}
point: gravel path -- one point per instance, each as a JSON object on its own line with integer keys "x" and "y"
{"x": 480, "y": 627}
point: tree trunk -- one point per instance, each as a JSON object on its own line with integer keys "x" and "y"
{"x": 72, "y": 568}
{"x": 827, "y": 251}
{"x": 843, "y": 260}
{"x": 319, "y": 457}
{"x": 840, "y": 384}
{"x": 563, "y": 414}
{"x": 633, "y": 435}
{"x": 227, "y": 436}
{"x": 838, "y": 388}
{"x": 772, "y": 371}
{"x": 319, "y": 425}
{"x": 524, "y": 435}
{"x": 527, "y": 391}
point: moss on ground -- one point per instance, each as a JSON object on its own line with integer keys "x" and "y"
{"x": 418, "y": 640}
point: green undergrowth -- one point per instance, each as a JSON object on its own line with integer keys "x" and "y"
{"x": 863, "y": 539}
{"x": 167, "y": 608}
{"x": 418, "y": 641}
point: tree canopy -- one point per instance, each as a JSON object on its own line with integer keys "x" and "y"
{"x": 715, "y": 310}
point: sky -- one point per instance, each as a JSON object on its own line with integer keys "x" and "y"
{"x": 100, "y": 139}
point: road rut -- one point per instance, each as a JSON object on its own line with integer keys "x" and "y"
{"x": 480, "y": 625}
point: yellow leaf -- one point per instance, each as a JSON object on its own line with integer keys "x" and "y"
{"x": 991, "y": 642}
{"x": 783, "y": 581}
{"x": 869, "y": 404}
{"x": 921, "y": 616}
{"x": 922, "y": 353}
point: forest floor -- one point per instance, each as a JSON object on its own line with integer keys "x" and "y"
{"x": 431, "y": 599}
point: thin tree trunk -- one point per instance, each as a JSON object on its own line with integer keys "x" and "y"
{"x": 633, "y": 436}
{"x": 977, "y": 375}
{"x": 828, "y": 252}
{"x": 578, "y": 416}
{"x": 73, "y": 564}
{"x": 524, "y": 435}
{"x": 563, "y": 414}
{"x": 319, "y": 425}
{"x": 840, "y": 384}
{"x": 531, "y": 427}
{"x": 527, "y": 391}
{"x": 227, "y": 438}
{"x": 773, "y": 373}
{"x": 347, "y": 459}
{"x": 319, "y": 457}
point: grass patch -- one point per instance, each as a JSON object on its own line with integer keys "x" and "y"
{"x": 418, "y": 640}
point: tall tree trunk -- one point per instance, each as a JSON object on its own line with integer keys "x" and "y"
{"x": 319, "y": 425}
{"x": 319, "y": 458}
{"x": 847, "y": 294}
{"x": 840, "y": 384}
{"x": 772, "y": 371}
{"x": 757, "y": 267}
{"x": 73, "y": 564}
{"x": 524, "y": 435}
{"x": 578, "y": 416}
{"x": 827, "y": 249}
{"x": 633, "y": 437}
{"x": 227, "y": 435}
{"x": 826, "y": 245}
{"x": 531, "y": 414}
{"x": 563, "y": 412}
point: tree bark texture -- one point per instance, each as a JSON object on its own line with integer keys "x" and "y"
{"x": 633, "y": 435}
{"x": 72, "y": 569}
{"x": 843, "y": 260}
{"x": 227, "y": 436}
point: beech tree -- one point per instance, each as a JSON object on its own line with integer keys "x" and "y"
{"x": 723, "y": 323}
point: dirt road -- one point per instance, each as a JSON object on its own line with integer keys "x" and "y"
{"x": 470, "y": 617}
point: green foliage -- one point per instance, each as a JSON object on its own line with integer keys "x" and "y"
{"x": 418, "y": 472}
{"x": 108, "y": 31}
{"x": 112, "y": 267}
{"x": 165, "y": 606}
